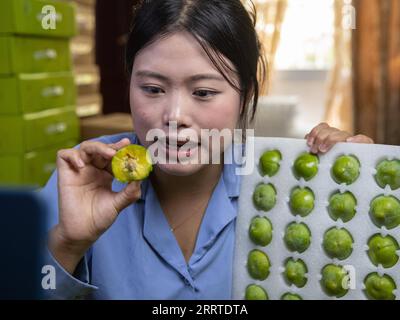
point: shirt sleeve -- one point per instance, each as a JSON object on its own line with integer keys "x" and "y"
{"x": 69, "y": 286}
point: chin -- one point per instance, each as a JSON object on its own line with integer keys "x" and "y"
{"x": 181, "y": 170}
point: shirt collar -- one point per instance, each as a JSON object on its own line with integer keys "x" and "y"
{"x": 219, "y": 213}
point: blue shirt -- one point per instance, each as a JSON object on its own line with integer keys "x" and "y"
{"x": 138, "y": 257}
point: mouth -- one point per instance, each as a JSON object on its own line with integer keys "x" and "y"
{"x": 174, "y": 143}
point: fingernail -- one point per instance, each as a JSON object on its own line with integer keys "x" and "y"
{"x": 323, "y": 147}
{"x": 81, "y": 164}
{"x": 350, "y": 139}
{"x": 310, "y": 141}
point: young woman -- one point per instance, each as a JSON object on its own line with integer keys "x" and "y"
{"x": 193, "y": 63}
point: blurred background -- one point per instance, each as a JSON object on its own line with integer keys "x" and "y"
{"x": 329, "y": 60}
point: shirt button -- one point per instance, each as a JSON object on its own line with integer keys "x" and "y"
{"x": 186, "y": 282}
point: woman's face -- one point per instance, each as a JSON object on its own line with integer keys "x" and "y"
{"x": 174, "y": 83}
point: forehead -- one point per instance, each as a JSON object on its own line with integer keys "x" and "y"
{"x": 178, "y": 53}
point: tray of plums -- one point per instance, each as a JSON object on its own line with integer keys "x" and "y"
{"x": 318, "y": 226}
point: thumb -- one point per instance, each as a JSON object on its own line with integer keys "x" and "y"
{"x": 130, "y": 194}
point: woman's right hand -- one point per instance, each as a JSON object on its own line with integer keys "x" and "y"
{"x": 87, "y": 205}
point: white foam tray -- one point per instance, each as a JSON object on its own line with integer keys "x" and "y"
{"x": 361, "y": 226}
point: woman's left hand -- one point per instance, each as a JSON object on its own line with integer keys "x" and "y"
{"x": 323, "y": 137}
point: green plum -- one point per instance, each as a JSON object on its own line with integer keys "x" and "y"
{"x": 260, "y": 231}
{"x": 297, "y": 237}
{"x": 379, "y": 288}
{"x": 269, "y": 163}
{"x": 264, "y": 197}
{"x": 388, "y": 173}
{"x": 302, "y": 201}
{"x": 258, "y": 265}
{"x": 338, "y": 243}
{"x": 306, "y": 166}
{"x": 295, "y": 272}
{"x": 255, "y": 292}
{"x": 382, "y": 250}
{"x": 342, "y": 206}
{"x": 385, "y": 211}
{"x": 346, "y": 169}
{"x": 131, "y": 163}
{"x": 333, "y": 280}
{"x": 291, "y": 296}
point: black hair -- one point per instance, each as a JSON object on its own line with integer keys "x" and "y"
{"x": 224, "y": 28}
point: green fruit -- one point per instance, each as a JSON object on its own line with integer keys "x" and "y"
{"x": 291, "y": 296}
{"x": 258, "y": 265}
{"x": 264, "y": 197}
{"x": 306, "y": 166}
{"x": 346, "y": 169}
{"x": 385, "y": 211}
{"x": 260, "y": 231}
{"x": 342, "y": 206}
{"x": 334, "y": 280}
{"x": 382, "y": 250}
{"x": 255, "y": 292}
{"x": 379, "y": 288}
{"x": 269, "y": 162}
{"x": 302, "y": 201}
{"x": 131, "y": 163}
{"x": 295, "y": 272}
{"x": 388, "y": 173}
{"x": 297, "y": 237}
{"x": 338, "y": 243}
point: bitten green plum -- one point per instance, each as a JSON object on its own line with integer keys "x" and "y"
{"x": 131, "y": 163}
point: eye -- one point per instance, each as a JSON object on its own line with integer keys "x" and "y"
{"x": 152, "y": 90}
{"x": 203, "y": 94}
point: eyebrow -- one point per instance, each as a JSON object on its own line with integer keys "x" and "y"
{"x": 194, "y": 78}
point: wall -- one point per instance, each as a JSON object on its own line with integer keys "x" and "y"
{"x": 309, "y": 86}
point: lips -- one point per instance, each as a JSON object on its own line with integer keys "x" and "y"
{"x": 174, "y": 143}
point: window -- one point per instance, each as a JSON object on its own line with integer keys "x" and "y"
{"x": 306, "y": 36}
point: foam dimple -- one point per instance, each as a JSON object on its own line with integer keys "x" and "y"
{"x": 387, "y": 190}
{"x": 361, "y": 227}
{"x": 380, "y": 270}
{"x": 384, "y": 231}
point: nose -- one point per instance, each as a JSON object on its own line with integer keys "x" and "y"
{"x": 178, "y": 111}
